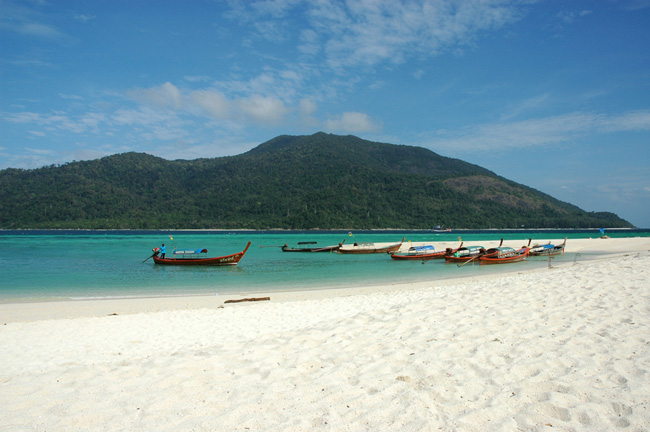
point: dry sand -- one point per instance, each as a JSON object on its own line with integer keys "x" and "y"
{"x": 566, "y": 348}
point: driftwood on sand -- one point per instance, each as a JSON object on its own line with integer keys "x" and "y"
{"x": 250, "y": 299}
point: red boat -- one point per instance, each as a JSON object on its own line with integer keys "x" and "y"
{"x": 192, "y": 257}
{"x": 503, "y": 255}
{"x": 422, "y": 253}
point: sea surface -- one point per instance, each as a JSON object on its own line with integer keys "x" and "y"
{"x": 38, "y": 265}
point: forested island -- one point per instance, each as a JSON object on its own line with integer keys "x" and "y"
{"x": 320, "y": 181}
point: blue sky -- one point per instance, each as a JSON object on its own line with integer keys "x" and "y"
{"x": 551, "y": 94}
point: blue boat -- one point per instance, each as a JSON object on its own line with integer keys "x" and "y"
{"x": 548, "y": 249}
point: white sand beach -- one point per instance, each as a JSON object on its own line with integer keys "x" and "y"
{"x": 565, "y": 348}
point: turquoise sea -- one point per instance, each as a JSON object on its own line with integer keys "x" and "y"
{"x": 69, "y": 265}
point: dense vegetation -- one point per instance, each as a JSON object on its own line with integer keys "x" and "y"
{"x": 294, "y": 182}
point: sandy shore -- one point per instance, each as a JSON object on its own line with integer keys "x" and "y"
{"x": 566, "y": 348}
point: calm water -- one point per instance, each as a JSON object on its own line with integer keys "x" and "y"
{"x": 52, "y": 265}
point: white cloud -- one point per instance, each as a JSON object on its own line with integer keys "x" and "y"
{"x": 84, "y": 17}
{"x": 197, "y": 78}
{"x": 143, "y": 116}
{"x": 39, "y": 151}
{"x": 267, "y": 110}
{"x": 212, "y": 102}
{"x": 570, "y": 16}
{"x": 368, "y": 32}
{"x": 21, "y": 18}
{"x": 163, "y": 96}
{"x": 631, "y": 121}
{"x": 526, "y": 105}
{"x": 307, "y": 107}
{"x": 38, "y": 29}
{"x": 352, "y": 122}
{"x": 540, "y": 131}
{"x": 634, "y": 5}
{"x": 71, "y": 97}
{"x": 56, "y": 120}
{"x": 258, "y": 108}
{"x": 92, "y": 121}
{"x": 309, "y": 42}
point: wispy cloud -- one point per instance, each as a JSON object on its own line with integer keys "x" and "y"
{"x": 539, "y": 131}
{"x": 635, "y": 5}
{"x": 255, "y": 108}
{"x": 263, "y": 109}
{"x": 88, "y": 122}
{"x": 569, "y": 17}
{"x": 71, "y": 97}
{"x": 37, "y": 29}
{"x": 166, "y": 95}
{"x": 84, "y": 17}
{"x": 352, "y": 122}
{"x": 525, "y": 106}
{"x": 366, "y": 33}
{"x": 19, "y": 18}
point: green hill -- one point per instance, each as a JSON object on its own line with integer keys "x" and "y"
{"x": 295, "y": 182}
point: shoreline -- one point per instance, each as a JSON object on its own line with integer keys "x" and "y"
{"x": 566, "y": 348}
{"x": 333, "y": 230}
{"x": 25, "y": 311}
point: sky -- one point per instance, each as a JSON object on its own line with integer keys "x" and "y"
{"x": 551, "y": 94}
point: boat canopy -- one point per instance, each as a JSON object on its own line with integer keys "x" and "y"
{"x": 501, "y": 250}
{"x": 469, "y": 250}
{"x": 504, "y": 249}
{"x": 422, "y": 249}
{"x": 190, "y": 251}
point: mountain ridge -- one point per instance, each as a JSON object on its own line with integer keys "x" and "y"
{"x": 319, "y": 181}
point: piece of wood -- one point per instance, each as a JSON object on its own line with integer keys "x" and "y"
{"x": 251, "y": 299}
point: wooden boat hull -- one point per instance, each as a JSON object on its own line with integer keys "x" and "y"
{"x": 464, "y": 254}
{"x": 421, "y": 257}
{"x": 332, "y": 248}
{"x": 227, "y": 260}
{"x": 393, "y": 248}
{"x": 424, "y": 256}
{"x": 550, "y": 251}
{"x": 520, "y": 255}
{"x": 370, "y": 250}
{"x": 453, "y": 259}
{"x": 322, "y": 249}
{"x": 489, "y": 260}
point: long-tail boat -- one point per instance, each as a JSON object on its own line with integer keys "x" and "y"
{"x": 370, "y": 248}
{"x": 504, "y": 255}
{"x": 464, "y": 254}
{"x": 302, "y": 247}
{"x": 192, "y": 257}
{"x": 548, "y": 249}
{"x": 422, "y": 253}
